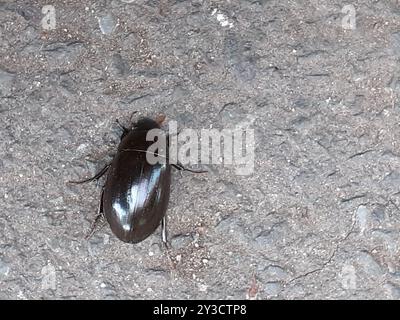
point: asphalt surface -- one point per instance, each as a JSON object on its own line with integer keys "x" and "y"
{"x": 319, "y": 218}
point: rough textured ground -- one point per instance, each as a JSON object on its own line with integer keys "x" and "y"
{"x": 320, "y": 216}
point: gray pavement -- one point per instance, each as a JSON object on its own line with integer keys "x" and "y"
{"x": 318, "y": 219}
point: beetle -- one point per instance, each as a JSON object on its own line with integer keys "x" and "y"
{"x": 135, "y": 196}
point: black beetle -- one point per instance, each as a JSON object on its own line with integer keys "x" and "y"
{"x": 135, "y": 196}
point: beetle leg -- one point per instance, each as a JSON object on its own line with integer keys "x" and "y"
{"x": 164, "y": 231}
{"x": 96, "y": 177}
{"x": 99, "y": 216}
{"x": 94, "y": 226}
{"x": 124, "y": 129}
{"x": 132, "y": 114}
{"x": 181, "y": 167}
{"x": 165, "y": 241}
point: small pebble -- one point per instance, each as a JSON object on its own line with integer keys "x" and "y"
{"x": 106, "y": 239}
{"x": 106, "y": 24}
{"x": 362, "y": 217}
{"x": 202, "y": 287}
{"x": 4, "y": 268}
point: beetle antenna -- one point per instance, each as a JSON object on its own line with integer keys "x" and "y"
{"x": 144, "y": 151}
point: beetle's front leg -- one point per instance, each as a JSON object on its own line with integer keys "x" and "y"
{"x": 125, "y": 130}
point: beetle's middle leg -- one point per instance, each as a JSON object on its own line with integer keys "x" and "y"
{"x": 179, "y": 166}
{"x": 97, "y": 176}
{"x": 99, "y": 216}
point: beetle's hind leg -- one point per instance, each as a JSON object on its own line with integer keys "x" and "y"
{"x": 165, "y": 242}
{"x": 164, "y": 232}
{"x": 96, "y": 177}
{"x": 99, "y": 216}
{"x": 94, "y": 225}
